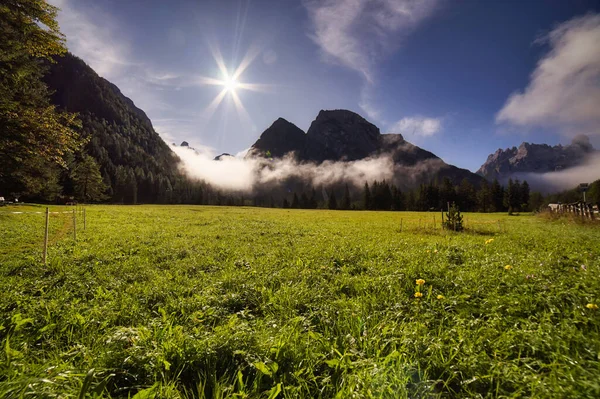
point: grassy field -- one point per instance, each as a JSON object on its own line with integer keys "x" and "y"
{"x": 215, "y": 302}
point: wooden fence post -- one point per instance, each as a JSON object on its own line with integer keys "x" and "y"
{"x": 400, "y": 225}
{"x": 442, "y": 219}
{"x": 46, "y": 236}
{"x": 84, "y": 221}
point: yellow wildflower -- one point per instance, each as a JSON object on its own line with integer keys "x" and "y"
{"x": 489, "y": 241}
{"x": 418, "y": 294}
{"x": 591, "y": 306}
{"x": 420, "y": 281}
{"x": 440, "y": 297}
{"x": 507, "y": 267}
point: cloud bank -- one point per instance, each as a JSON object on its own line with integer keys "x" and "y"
{"x": 565, "y": 179}
{"x": 239, "y": 174}
{"x": 418, "y": 126}
{"x": 564, "y": 89}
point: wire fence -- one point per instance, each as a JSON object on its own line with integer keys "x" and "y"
{"x": 50, "y": 229}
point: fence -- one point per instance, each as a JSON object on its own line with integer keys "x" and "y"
{"x": 579, "y": 208}
{"x": 76, "y": 213}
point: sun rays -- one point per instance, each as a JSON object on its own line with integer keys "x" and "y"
{"x": 231, "y": 84}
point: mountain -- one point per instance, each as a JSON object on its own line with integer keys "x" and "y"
{"x": 341, "y": 135}
{"x": 280, "y": 138}
{"x": 135, "y": 162}
{"x": 536, "y": 158}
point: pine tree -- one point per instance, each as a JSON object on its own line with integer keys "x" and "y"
{"x": 295, "y": 202}
{"x": 88, "y": 184}
{"x": 497, "y": 195}
{"x": 346, "y": 198}
{"x": 313, "y": 202}
{"x": 367, "y": 203}
{"x": 332, "y": 202}
{"x": 397, "y": 199}
{"x": 484, "y": 197}
{"x": 511, "y": 197}
{"x": 524, "y": 195}
{"x": 453, "y": 219}
{"x": 304, "y": 201}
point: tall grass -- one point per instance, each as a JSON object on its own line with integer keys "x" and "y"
{"x": 215, "y": 302}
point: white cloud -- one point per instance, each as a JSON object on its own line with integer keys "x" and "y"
{"x": 357, "y": 33}
{"x": 564, "y": 90}
{"x": 418, "y": 126}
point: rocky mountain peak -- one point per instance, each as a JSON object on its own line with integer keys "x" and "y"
{"x": 341, "y": 134}
{"x": 536, "y": 158}
{"x": 280, "y": 138}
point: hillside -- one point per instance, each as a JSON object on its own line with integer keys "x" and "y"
{"x": 135, "y": 162}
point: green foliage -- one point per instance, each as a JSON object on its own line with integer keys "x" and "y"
{"x": 454, "y": 220}
{"x": 88, "y": 183}
{"x": 35, "y": 136}
{"x": 192, "y": 302}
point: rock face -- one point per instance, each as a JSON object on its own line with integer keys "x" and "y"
{"x": 535, "y": 158}
{"x": 223, "y": 156}
{"x": 341, "y": 135}
{"x": 280, "y": 138}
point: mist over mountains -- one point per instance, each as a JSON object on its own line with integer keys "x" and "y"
{"x": 547, "y": 168}
{"x": 340, "y": 147}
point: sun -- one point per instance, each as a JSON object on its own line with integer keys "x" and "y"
{"x": 230, "y": 84}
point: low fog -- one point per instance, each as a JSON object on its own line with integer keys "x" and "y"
{"x": 566, "y": 179}
{"x": 239, "y": 174}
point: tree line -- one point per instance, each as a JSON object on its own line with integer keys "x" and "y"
{"x": 516, "y": 196}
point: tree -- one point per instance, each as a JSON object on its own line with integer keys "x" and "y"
{"x": 497, "y": 196}
{"x": 536, "y": 200}
{"x": 447, "y": 192}
{"x": 313, "y": 202}
{"x": 88, "y": 184}
{"x": 397, "y": 199}
{"x": 295, "y": 202}
{"x": 346, "y": 198}
{"x": 511, "y": 197}
{"x": 484, "y": 197}
{"x": 35, "y": 136}
{"x": 466, "y": 195}
{"x": 367, "y": 203}
{"x": 524, "y": 195}
{"x": 332, "y": 202}
{"x": 453, "y": 219}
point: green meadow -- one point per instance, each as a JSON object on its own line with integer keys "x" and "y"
{"x": 218, "y": 302}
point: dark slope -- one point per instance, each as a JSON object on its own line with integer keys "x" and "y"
{"x": 121, "y": 136}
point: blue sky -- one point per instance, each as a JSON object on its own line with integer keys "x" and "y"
{"x": 458, "y": 78}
